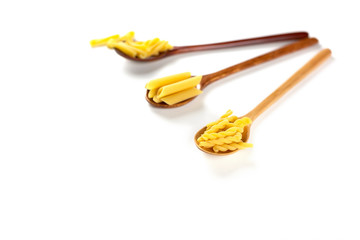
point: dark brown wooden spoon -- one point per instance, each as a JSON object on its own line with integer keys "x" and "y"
{"x": 272, "y": 98}
{"x": 236, "y": 43}
{"x": 210, "y": 78}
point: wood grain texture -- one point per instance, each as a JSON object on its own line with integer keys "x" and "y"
{"x": 210, "y": 78}
{"x": 243, "y": 42}
{"x": 220, "y": 45}
{"x": 290, "y": 83}
{"x": 299, "y": 75}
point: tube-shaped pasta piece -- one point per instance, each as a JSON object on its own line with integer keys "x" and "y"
{"x": 111, "y": 43}
{"x": 147, "y": 43}
{"x": 139, "y": 52}
{"x": 154, "y": 41}
{"x": 159, "y": 82}
{"x": 152, "y": 92}
{"x": 169, "y": 47}
{"x": 152, "y": 44}
{"x": 103, "y": 41}
{"x": 157, "y": 100}
{"x": 140, "y": 45}
{"x": 181, "y": 96}
{"x": 159, "y": 48}
{"x": 128, "y": 50}
{"x": 178, "y": 86}
{"x": 128, "y": 37}
{"x": 142, "y": 50}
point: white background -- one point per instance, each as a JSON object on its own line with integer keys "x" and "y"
{"x": 84, "y": 156}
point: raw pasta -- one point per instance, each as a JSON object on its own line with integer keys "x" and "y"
{"x": 103, "y": 41}
{"x": 173, "y": 89}
{"x": 133, "y": 48}
{"x": 178, "y": 86}
{"x": 159, "y": 82}
{"x": 181, "y": 96}
{"x": 225, "y": 134}
{"x": 152, "y": 92}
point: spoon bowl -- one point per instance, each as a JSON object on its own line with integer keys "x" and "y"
{"x": 210, "y": 78}
{"x": 245, "y": 137}
{"x": 211, "y": 46}
{"x": 149, "y": 59}
{"x": 272, "y": 98}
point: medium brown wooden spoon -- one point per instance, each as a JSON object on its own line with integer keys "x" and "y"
{"x": 210, "y": 78}
{"x": 211, "y": 46}
{"x": 272, "y": 98}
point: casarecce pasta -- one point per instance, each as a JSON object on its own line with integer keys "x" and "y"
{"x": 132, "y": 48}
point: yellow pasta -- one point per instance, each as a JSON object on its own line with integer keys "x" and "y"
{"x": 128, "y": 50}
{"x": 232, "y": 131}
{"x": 161, "y": 47}
{"x": 133, "y": 48}
{"x": 178, "y": 86}
{"x": 159, "y": 82}
{"x": 151, "y": 44}
{"x": 224, "y": 140}
{"x": 156, "y": 99}
{"x": 231, "y": 147}
{"x": 226, "y": 115}
{"x": 173, "y": 89}
{"x": 127, "y": 37}
{"x": 181, "y": 96}
{"x": 152, "y": 92}
{"x": 103, "y": 41}
{"x": 225, "y": 134}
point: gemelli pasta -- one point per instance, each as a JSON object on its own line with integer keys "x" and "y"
{"x": 225, "y": 134}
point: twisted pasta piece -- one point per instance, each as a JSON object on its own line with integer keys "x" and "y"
{"x": 225, "y": 134}
{"x": 231, "y": 147}
{"x": 211, "y": 136}
{"x": 220, "y": 141}
{"x": 225, "y": 116}
{"x": 219, "y": 126}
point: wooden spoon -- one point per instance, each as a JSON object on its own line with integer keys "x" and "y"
{"x": 236, "y": 43}
{"x": 210, "y": 78}
{"x": 272, "y": 98}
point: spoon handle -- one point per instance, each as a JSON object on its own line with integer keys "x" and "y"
{"x": 243, "y": 42}
{"x": 290, "y": 83}
{"x": 210, "y": 78}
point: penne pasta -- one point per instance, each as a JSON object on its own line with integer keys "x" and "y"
{"x": 152, "y": 92}
{"x": 181, "y": 96}
{"x": 157, "y": 100}
{"x": 160, "y": 82}
{"x": 178, "y": 86}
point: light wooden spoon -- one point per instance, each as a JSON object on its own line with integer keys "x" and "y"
{"x": 210, "y": 78}
{"x": 211, "y": 46}
{"x": 272, "y": 98}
